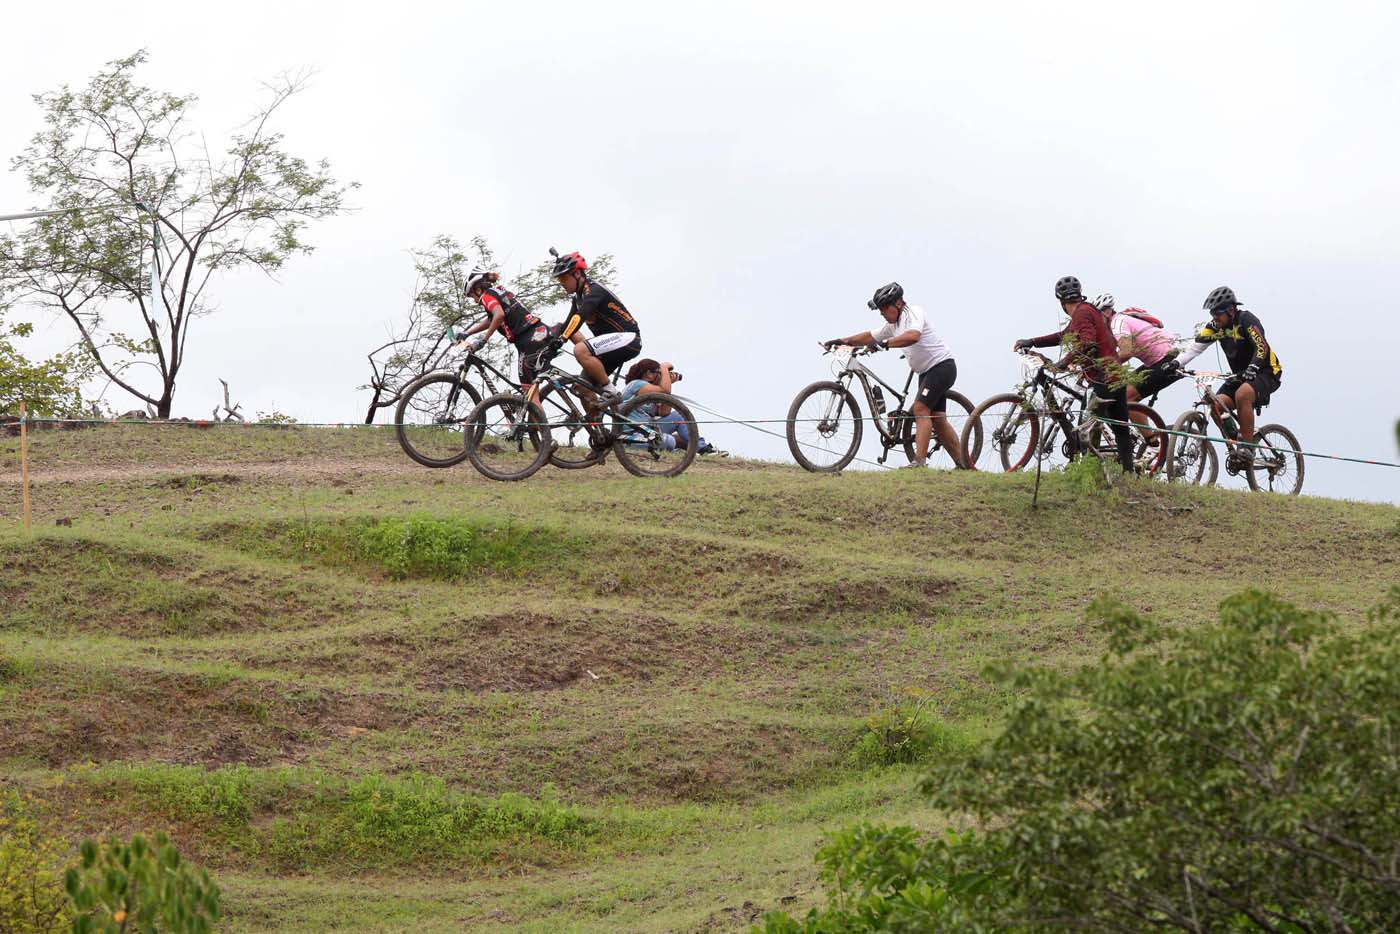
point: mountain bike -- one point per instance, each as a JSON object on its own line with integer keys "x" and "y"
{"x": 1029, "y": 423}
{"x": 824, "y": 423}
{"x": 1278, "y": 458}
{"x": 432, "y": 410}
{"x": 510, "y": 437}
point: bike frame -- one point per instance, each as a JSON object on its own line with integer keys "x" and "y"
{"x": 1059, "y": 413}
{"x": 854, "y": 369}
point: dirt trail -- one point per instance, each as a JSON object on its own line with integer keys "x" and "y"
{"x": 322, "y": 468}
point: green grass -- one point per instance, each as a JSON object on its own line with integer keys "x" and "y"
{"x": 376, "y": 697}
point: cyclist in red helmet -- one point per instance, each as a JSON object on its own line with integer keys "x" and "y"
{"x": 616, "y": 337}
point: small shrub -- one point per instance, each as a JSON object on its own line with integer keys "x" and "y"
{"x": 885, "y": 879}
{"x": 14, "y": 669}
{"x": 275, "y": 418}
{"x": 905, "y": 733}
{"x": 31, "y": 890}
{"x": 140, "y": 886}
{"x": 1085, "y": 474}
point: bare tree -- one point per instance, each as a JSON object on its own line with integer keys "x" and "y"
{"x": 141, "y": 184}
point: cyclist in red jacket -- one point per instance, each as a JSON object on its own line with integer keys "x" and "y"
{"x": 1092, "y": 349}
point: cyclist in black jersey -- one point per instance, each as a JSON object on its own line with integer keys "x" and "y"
{"x": 616, "y": 337}
{"x": 1257, "y": 371}
{"x": 507, "y": 314}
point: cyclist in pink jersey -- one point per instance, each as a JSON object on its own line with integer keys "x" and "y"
{"x": 1141, "y": 336}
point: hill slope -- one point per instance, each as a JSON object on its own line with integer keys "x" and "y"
{"x": 379, "y": 697}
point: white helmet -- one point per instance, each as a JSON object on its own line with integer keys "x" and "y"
{"x": 478, "y": 277}
{"x": 1103, "y": 302}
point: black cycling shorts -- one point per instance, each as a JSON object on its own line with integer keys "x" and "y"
{"x": 612, "y": 360}
{"x": 1265, "y": 385}
{"x": 1157, "y": 377}
{"x": 529, "y": 352}
{"x": 934, "y": 384}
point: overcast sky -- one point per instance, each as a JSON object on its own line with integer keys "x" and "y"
{"x": 758, "y": 169}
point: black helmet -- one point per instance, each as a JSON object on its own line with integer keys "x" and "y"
{"x": 1068, "y": 289}
{"x": 1219, "y": 298}
{"x": 887, "y": 295}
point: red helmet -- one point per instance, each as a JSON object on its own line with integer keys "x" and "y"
{"x": 568, "y": 263}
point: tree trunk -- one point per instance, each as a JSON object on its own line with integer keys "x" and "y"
{"x": 373, "y": 406}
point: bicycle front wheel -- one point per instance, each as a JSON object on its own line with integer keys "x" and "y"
{"x": 1191, "y": 457}
{"x": 506, "y": 439}
{"x": 824, "y": 427}
{"x": 1008, "y": 432}
{"x": 429, "y": 417}
{"x": 652, "y": 442}
{"x": 1278, "y": 462}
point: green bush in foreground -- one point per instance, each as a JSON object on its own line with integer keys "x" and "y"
{"x": 31, "y": 893}
{"x": 138, "y": 886}
{"x": 1239, "y": 776}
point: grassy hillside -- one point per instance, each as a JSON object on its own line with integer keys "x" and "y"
{"x": 375, "y": 697}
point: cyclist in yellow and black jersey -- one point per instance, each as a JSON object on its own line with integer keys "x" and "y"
{"x": 1256, "y": 368}
{"x": 616, "y": 337}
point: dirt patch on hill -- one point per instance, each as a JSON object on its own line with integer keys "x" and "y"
{"x": 66, "y": 715}
{"x": 526, "y": 652}
{"x": 88, "y": 586}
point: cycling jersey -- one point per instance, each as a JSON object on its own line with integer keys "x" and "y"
{"x": 519, "y": 324}
{"x": 1150, "y": 343}
{"x": 1093, "y": 341}
{"x": 1243, "y": 342}
{"x": 926, "y": 352}
{"x": 598, "y": 307}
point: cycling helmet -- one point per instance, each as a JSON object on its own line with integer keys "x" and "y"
{"x": 1219, "y": 298}
{"x": 1103, "y": 302}
{"x": 887, "y": 295}
{"x": 563, "y": 265}
{"x": 478, "y": 277}
{"x": 1068, "y": 289}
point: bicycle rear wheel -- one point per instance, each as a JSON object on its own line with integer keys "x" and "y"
{"x": 506, "y": 440}
{"x": 959, "y": 413}
{"x": 1191, "y": 457}
{"x": 650, "y": 444}
{"x": 1278, "y": 462}
{"x": 824, "y": 427}
{"x": 429, "y": 417}
{"x": 1008, "y": 432}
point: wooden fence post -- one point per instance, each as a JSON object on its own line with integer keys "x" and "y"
{"x": 24, "y": 466}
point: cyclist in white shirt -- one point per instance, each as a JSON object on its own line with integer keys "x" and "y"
{"x": 907, "y": 327}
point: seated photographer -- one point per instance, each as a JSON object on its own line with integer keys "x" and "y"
{"x": 649, "y": 376}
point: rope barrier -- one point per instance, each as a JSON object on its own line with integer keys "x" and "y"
{"x": 1252, "y": 444}
{"x": 718, "y": 419}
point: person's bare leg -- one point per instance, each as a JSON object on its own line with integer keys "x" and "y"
{"x": 923, "y": 430}
{"x": 1244, "y": 404}
{"x": 592, "y": 366}
{"x": 1137, "y": 418}
{"x": 948, "y": 437}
